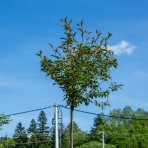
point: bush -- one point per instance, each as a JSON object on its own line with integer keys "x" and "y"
{"x": 95, "y": 144}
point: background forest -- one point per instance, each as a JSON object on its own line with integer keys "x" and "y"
{"x": 123, "y": 128}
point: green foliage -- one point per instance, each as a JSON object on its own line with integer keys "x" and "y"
{"x": 80, "y": 137}
{"x": 100, "y": 124}
{"x": 123, "y": 132}
{"x": 120, "y": 133}
{"x": 33, "y": 127}
{"x": 81, "y": 65}
{"x": 32, "y": 133}
{"x": 4, "y": 120}
{"x": 42, "y": 124}
{"x": 43, "y": 131}
{"x": 38, "y": 134}
{"x": 6, "y": 142}
{"x": 94, "y": 144}
{"x": 20, "y": 136}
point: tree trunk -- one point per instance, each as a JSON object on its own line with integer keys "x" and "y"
{"x": 71, "y": 125}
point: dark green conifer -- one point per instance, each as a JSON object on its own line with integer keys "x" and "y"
{"x": 20, "y": 136}
{"x": 43, "y": 131}
{"x": 32, "y": 132}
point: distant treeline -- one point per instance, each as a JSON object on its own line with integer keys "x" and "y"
{"x": 125, "y": 128}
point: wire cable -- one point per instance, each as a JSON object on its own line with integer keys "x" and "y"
{"x": 86, "y": 112}
{"x": 24, "y": 112}
{"x": 118, "y": 117}
{"x": 126, "y": 134}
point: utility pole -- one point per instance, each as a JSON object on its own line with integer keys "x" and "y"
{"x": 102, "y": 132}
{"x": 61, "y": 127}
{"x": 56, "y": 126}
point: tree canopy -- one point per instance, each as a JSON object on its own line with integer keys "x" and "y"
{"x": 81, "y": 65}
{"x": 3, "y": 120}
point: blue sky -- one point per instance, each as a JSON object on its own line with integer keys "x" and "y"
{"x": 27, "y": 26}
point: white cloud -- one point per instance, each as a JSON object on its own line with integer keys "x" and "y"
{"x": 122, "y": 47}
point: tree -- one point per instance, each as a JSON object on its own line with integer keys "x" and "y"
{"x": 81, "y": 66}
{"x": 42, "y": 124}
{"x": 123, "y": 132}
{"x": 114, "y": 122}
{"x": 6, "y": 142}
{"x": 33, "y": 127}
{"x": 100, "y": 124}
{"x": 94, "y": 144}
{"x": 32, "y": 132}
{"x": 4, "y": 120}
{"x": 127, "y": 112}
{"x": 43, "y": 131}
{"x": 20, "y": 136}
{"x": 80, "y": 137}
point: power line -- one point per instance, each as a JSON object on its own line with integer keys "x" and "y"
{"x": 118, "y": 117}
{"x": 86, "y": 112}
{"x": 34, "y": 110}
{"x": 125, "y": 134}
{"x": 106, "y": 134}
